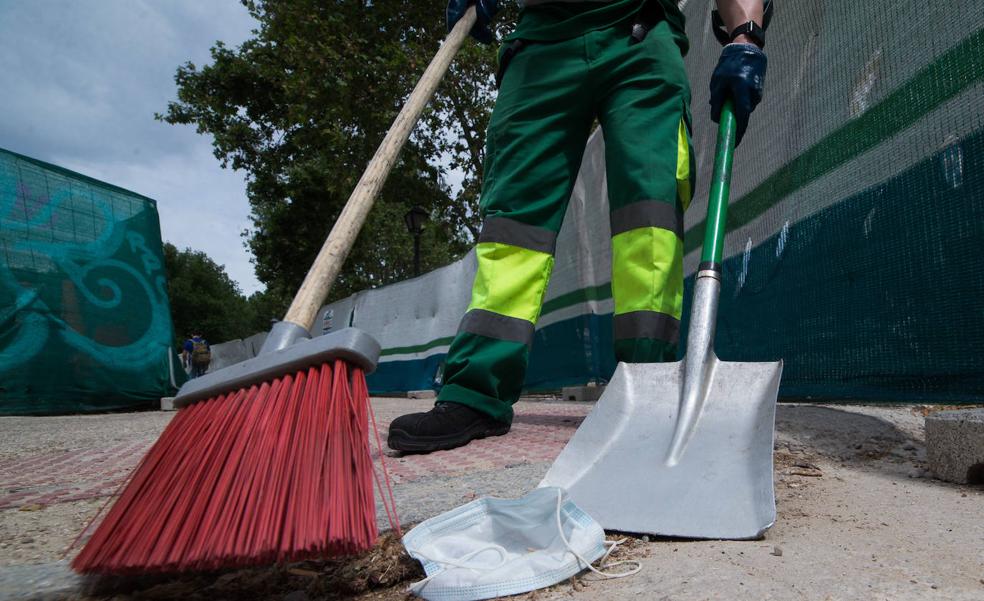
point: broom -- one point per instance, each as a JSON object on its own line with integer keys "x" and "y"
{"x": 268, "y": 459}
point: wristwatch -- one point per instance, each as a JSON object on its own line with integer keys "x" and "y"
{"x": 752, "y": 30}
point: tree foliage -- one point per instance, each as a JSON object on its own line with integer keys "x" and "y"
{"x": 204, "y": 298}
{"x": 302, "y": 106}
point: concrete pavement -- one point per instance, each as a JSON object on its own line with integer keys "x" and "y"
{"x": 859, "y": 517}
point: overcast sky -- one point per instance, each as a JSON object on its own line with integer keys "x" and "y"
{"x": 80, "y": 83}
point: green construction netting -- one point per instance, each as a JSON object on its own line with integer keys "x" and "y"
{"x": 856, "y": 222}
{"x": 84, "y": 318}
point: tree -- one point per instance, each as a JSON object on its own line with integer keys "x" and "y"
{"x": 264, "y": 307}
{"x": 204, "y": 299}
{"x": 302, "y": 106}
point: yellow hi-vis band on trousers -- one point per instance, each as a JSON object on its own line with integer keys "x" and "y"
{"x": 684, "y": 191}
{"x": 511, "y": 280}
{"x": 647, "y": 271}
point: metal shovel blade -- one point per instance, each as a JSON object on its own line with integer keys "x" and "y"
{"x": 683, "y": 449}
{"x": 619, "y": 467}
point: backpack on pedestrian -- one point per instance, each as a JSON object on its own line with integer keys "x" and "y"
{"x": 200, "y": 353}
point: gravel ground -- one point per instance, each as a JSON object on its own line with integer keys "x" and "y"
{"x": 33, "y": 532}
{"x": 859, "y": 518}
{"x": 36, "y": 534}
{"x": 23, "y": 436}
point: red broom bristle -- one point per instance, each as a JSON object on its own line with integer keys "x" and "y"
{"x": 277, "y": 472}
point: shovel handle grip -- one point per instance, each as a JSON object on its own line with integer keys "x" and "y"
{"x": 717, "y": 203}
{"x": 335, "y": 250}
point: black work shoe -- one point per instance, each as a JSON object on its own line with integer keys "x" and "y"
{"x": 446, "y": 426}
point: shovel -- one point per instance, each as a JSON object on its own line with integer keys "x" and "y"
{"x": 682, "y": 449}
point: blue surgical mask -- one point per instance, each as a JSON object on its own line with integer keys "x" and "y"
{"x": 495, "y": 547}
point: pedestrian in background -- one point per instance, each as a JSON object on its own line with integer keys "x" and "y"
{"x": 200, "y": 354}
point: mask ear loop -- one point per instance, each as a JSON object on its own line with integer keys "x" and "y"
{"x": 613, "y": 543}
{"x": 457, "y": 563}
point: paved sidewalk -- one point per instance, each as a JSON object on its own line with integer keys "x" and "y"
{"x": 505, "y": 466}
{"x": 57, "y": 472}
{"x": 71, "y": 472}
{"x": 65, "y": 476}
{"x": 861, "y": 521}
{"x": 539, "y": 432}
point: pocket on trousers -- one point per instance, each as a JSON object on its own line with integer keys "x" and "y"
{"x": 686, "y": 168}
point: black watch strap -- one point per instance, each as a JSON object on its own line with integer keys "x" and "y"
{"x": 752, "y": 30}
{"x": 756, "y": 33}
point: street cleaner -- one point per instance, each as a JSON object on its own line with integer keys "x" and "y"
{"x": 567, "y": 64}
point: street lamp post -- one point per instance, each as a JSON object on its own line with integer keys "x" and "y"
{"x": 415, "y": 218}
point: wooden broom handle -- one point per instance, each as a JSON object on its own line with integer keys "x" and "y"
{"x": 318, "y": 281}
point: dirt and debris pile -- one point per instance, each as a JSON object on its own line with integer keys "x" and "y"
{"x": 386, "y": 569}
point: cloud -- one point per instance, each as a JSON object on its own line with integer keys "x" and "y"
{"x": 81, "y": 82}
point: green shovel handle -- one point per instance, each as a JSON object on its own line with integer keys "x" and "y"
{"x": 717, "y": 203}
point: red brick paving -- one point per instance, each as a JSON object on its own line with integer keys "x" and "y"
{"x": 66, "y": 476}
{"x": 539, "y": 432}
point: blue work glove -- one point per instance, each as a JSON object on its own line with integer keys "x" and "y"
{"x": 484, "y": 11}
{"x": 740, "y": 74}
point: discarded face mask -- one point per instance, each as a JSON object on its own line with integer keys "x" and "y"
{"x": 495, "y": 547}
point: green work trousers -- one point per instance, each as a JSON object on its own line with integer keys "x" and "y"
{"x": 549, "y": 98}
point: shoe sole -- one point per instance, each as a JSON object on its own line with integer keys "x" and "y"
{"x": 399, "y": 440}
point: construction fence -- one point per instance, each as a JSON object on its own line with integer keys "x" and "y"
{"x": 85, "y": 323}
